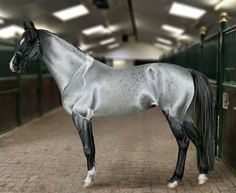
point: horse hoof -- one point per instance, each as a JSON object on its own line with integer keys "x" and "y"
{"x": 172, "y": 184}
{"x": 87, "y": 185}
{"x": 202, "y": 178}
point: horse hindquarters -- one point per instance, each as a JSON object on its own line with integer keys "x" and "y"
{"x": 177, "y": 108}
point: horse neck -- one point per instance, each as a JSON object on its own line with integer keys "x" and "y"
{"x": 61, "y": 58}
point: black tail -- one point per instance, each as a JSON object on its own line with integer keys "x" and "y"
{"x": 204, "y": 109}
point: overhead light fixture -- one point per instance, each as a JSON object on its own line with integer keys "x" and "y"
{"x": 113, "y": 46}
{"x": 94, "y": 29}
{"x": 71, "y": 12}
{"x": 119, "y": 63}
{"x": 185, "y": 38}
{"x": 224, "y": 3}
{"x": 107, "y": 41}
{"x": 48, "y": 27}
{"x": 10, "y": 31}
{"x": 187, "y": 11}
{"x": 164, "y": 41}
{"x": 84, "y": 47}
{"x": 172, "y": 29}
{"x": 2, "y": 21}
{"x": 164, "y": 47}
{"x": 219, "y": 5}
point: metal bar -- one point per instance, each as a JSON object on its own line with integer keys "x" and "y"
{"x": 203, "y": 33}
{"x": 18, "y": 115}
{"x": 219, "y": 91}
{"x": 9, "y": 91}
{"x": 7, "y": 78}
{"x": 18, "y": 105}
{"x": 214, "y": 36}
{"x": 7, "y": 44}
{"x": 39, "y": 90}
{"x": 229, "y": 85}
{"x": 230, "y": 29}
{"x": 132, "y": 18}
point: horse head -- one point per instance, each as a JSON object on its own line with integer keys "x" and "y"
{"x": 27, "y": 50}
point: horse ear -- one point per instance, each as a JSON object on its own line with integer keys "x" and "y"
{"x": 32, "y": 24}
{"x": 25, "y": 26}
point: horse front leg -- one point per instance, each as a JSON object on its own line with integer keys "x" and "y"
{"x": 84, "y": 128}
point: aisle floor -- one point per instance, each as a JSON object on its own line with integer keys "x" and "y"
{"x": 135, "y": 154}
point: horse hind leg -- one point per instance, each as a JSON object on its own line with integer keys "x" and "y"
{"x": 195, "y": 137}
{"x": 183, "y": 143}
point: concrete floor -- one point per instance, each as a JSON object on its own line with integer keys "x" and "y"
{"x": 134, "y": 154}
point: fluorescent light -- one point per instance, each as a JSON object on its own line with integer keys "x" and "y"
{"x": 117, "y": 62}
{"x": 2, "y": 21}
{"x": 187, "y": 11}
{"x": 107, "y": 41}
{"x": 225, "y": 4}
{"x": 10, "y": 31}
{"x": 50, "y": 28}
{"x": 164, "y": 47}
{"x": 184, "y": 37}
{"x": 84, "y": 47}
{"x": 93, "y": 30}
{"x": 113, "y": 46}
{"x": 172, "y": 29}
{"x": 165, "y": 41}
{"x": 71, "y": 12}
{"x": 219, "y": 5}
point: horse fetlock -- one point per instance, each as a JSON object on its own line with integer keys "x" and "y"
{"x": 174, "y": 180}
{"x": 173, "y": 184}
{"x": 202, "y": 178}
{"x": 175, "y": 177}
{"x": 90, "y": 176}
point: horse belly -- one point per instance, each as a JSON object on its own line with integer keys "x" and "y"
{"x": 116, "y": 107}
{"x": 119, "y": 103}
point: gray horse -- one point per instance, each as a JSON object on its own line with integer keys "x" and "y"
{"x": 90, "y": 89}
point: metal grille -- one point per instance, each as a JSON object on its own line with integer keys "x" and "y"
{"x": 198, "y": 57}
{"x": 193, "y": 57}
{"x": 229, "y": 55}
{"x": 208, "y": 62}
{"x": 5, "y": 57}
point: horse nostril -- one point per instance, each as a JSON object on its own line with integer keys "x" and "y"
{"x": 13, "y": 65}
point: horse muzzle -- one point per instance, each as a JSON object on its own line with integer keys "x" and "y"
{"x": 12, "y": 65}
{"x": 17, "y": 64}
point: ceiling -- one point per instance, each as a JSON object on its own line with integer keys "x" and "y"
{"x": 148, "y": 16}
